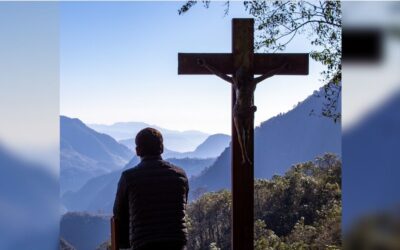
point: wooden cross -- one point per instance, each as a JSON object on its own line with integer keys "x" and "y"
{"x": 242, "y": 59}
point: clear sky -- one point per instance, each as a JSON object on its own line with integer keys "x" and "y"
{"x": 118, "y": 62}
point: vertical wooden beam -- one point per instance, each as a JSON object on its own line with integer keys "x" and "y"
{"x": 242, "y": 174}
{"x": 114, "y": 234}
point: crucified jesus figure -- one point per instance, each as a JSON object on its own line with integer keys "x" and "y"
{"x": 243, "y": 109}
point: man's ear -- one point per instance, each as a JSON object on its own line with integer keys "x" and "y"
{"x": 138, "y": 152}
{"x": 162, "y": 149}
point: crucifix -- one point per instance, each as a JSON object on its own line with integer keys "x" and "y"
{"x": 238, "y": 69}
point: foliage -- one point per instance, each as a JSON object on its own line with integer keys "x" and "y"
{"x": 279, "y": 22}
{"x": 300, "y": 210}
{"x": 209, "y": 221}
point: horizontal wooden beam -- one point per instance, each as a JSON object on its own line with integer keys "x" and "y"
{"x": 263, "y": 63}
{"x": 187, "y": 63}
{"x": 297, "y": 63}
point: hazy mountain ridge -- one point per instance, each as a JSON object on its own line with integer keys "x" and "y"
{"x": 192, "y": 166}
{"x": 211, "y": 147}
{"x": 284, "y": 140}
{"x": 85, "y": 153}
{"x": 180, "y": 141}
{"x": 98, "y": 193}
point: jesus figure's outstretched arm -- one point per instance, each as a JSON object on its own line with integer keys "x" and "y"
{"x": 269, "y": 74}
{"x": 213, "y": 70}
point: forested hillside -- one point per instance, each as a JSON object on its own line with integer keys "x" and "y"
{"x": 299, "y": 210}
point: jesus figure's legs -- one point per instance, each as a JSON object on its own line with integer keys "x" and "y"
{"x": 243, "y": 134}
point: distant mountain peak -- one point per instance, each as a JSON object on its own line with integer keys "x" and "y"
{"x": 213, "y": 145}
{"x": 179, "y": 141}
{"x": 86, "y": 153}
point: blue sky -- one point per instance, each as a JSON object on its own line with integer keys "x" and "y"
{"x": 118, "y": 62}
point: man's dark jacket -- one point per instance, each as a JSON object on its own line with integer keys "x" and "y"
{"x": 150, "y": 204}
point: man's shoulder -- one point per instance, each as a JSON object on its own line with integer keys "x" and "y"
{"x": 141, "y": 168}
{"x": 130, "y": 171}
{"x": 177, "y": 169}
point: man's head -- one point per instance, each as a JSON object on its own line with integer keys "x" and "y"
{"x": 149, "y": 142}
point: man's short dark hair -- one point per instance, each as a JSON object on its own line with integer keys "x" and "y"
{"x": 150, "y": 142}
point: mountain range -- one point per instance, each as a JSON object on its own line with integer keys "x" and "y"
{"x": 280, "y": 142}
{"x": 174, "y": 140}
{"x": 92, "y": 162}
{"x": 85, "y": 154}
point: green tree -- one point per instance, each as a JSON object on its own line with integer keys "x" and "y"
{"x": 279, "y": 22}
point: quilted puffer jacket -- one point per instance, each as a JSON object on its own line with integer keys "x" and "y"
{"x": 150, "y": 204}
